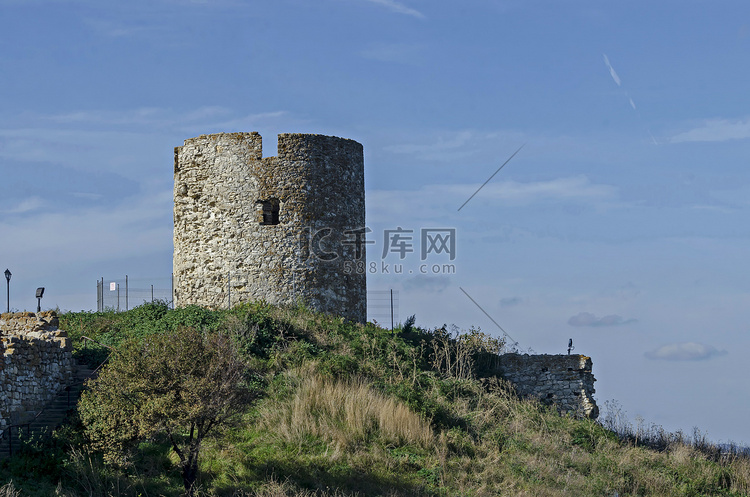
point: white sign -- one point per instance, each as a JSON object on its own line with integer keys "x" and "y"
{"x": 112, "y": 286}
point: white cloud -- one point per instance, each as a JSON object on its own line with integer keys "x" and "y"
{"x": 433, "y": 201}
{"x": 399, "y": 8}
{"x": 156, "y": 117}
{"x": 571, "y": 188}
{"x": 28, "y": 205}
{"x": 715, "y": 130}
{"x": 588, "y": 319}
{"x": 141, "y": 226}
{"x": 454, "y": 146}
{"x": 684, "y": 351}
{"x": 131, "y": 142}
{"x": 140, "y": 116}
{"x": 440, "y": 144}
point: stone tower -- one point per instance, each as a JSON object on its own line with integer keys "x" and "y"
{"x": 286, "y": 229}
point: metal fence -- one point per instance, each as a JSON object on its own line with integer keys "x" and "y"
{"x": 382, "y": 307}
{"x": 125, "y": 293}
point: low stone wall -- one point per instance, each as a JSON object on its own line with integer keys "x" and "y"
{"x": 565, "y": 381}
{"x": 36, "y": 362}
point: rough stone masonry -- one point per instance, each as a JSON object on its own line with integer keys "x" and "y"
{"x": 285, "y": 229}
{"x": 36, "y": 362}
{"x": 563, "y": 380}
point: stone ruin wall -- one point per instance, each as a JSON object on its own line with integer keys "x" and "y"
{"x": 222, "y": 249}
{"x": 36, "y": 362}
{"x": 565, "y": 381}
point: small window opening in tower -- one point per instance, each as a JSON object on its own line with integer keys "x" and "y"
{"x": 269, "y": 211}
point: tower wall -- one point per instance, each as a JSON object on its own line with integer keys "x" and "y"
{"x": 226, "y": 246}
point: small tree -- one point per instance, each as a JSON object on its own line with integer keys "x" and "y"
{"x": 180, "y": 384}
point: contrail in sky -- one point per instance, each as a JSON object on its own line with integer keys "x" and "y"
{"x": 618, "y": 82}
{"x": 612, "y": 71}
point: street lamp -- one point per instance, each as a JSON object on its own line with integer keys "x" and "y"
{"x": 39, "y": 295}
{"x": 8, "y": 274}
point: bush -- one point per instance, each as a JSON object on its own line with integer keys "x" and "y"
{"x": 180, "y": 384}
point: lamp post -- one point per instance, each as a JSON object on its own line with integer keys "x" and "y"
{"x": 39, "y": 295}
{"x": 8, "y": 274}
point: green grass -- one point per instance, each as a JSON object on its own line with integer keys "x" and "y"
{"x": 351, "y": 409}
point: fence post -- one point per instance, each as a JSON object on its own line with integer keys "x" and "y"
{"x": 391, "y": 310}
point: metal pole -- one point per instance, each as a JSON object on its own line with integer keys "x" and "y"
{"x": 229, "y": 290}
{"x": 102, "y": 293}
{"x": 118, "y": 297}
{"x": 126, "y": 292}
{"x": 172, "y": 282}
{"x": 391, "y": 309}
{"x": 152, "y": 294}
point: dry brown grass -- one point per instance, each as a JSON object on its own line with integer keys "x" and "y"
{"x": 347, "y": 413}
{"x": 9, "y": 490}
{"x": 741, "y": 471}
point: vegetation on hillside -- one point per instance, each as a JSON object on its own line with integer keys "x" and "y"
{"x": 178, "y": 385}
{"x": 325, "y": 407}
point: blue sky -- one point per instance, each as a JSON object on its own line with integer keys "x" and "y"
{"x": 621, "y": 222}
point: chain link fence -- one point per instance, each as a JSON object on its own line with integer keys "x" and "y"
{"x": 382, "y": 307}
{"x": 122, "y": 294}
{"x": 126, "y": 293}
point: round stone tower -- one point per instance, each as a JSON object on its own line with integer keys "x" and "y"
{"x": 285, "y": 229}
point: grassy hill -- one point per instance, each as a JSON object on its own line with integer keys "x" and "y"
{"x": 347, "y": 409}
